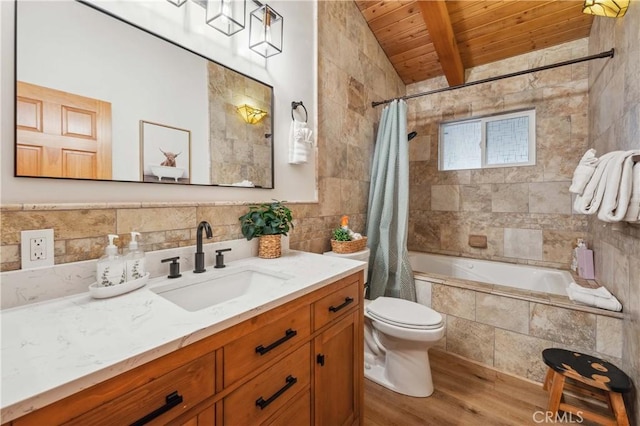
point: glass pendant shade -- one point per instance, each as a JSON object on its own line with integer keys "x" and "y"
{"x": 226, "y": 16}
{"x": 265, "y": 31}
{"x": 250, "y": 114}
{"x": 608, "y": 8}
{"x": 177, "y": 2}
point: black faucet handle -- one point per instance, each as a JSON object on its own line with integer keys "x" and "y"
{"x": 174, "y": 267}
{"x": 220, "y": 258}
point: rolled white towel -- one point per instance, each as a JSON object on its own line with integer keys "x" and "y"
{"x": 582, "y": 174}
{"x": 633, "y": 209}
{"x": 592, "y": 297}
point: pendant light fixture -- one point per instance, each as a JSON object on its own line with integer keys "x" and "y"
{"x": 177, "y": 2}
{"x": 608, "y": 8}
{"x": 226, "y": 16}
{"x": 265, "y": 31}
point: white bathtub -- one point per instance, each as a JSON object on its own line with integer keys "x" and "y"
{"x": 546, "y": 280}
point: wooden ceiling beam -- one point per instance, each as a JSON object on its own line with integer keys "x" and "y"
{"x": 436, "y": 17}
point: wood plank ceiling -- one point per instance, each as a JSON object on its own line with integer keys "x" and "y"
{"x": 426, "y": 39}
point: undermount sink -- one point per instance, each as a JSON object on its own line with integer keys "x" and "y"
{"x": 216, "y": 287}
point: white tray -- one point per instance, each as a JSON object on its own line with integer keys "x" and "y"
{"x": 99, "y": 292}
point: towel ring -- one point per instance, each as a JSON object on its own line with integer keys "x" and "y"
{"x": 295, "y": 105}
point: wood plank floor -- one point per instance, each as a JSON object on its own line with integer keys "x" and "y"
{"x": 465, "y": 394}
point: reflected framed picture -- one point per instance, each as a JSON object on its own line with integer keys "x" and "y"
{"x": 165, "y": 153}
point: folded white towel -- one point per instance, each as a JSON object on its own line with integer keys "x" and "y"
{"x": 300, "y": 142}
{"x": 600, "y": 291}
{"x": 633, "y": 209}
{"x": 617, "y": 192}
{"x": 584, "y": 171}
{"x": 599, "y": 298}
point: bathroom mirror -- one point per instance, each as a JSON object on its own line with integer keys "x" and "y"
{"x": 99, "y": 98}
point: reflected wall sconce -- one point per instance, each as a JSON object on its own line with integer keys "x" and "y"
{"x": 265, "y": 31}
{"x": 608, "y": 8}
{"x": 226, "y": 16}
{"x": 250, "y": 114}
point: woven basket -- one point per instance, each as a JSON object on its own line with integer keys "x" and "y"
{"x": 270, "y": 246}
{"x": 345, "y": 247}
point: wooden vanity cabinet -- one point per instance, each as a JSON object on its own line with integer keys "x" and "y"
{"x": 299, "y": 363}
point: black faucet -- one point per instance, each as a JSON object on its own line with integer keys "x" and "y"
{"x": 199, "y": 253}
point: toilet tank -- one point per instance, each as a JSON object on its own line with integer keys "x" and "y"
{"x": 362, "y": 255}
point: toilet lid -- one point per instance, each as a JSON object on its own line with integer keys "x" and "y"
{"x": 403, "y": 313}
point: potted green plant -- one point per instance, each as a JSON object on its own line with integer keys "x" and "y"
{"x": 268, "y": 221}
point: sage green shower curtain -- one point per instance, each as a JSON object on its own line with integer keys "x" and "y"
{"x": 387, "y": 219}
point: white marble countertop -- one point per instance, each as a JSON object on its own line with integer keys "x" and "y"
{"x": 56, "y": 348}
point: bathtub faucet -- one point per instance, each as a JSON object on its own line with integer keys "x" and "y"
{"x": 199, "y": 253}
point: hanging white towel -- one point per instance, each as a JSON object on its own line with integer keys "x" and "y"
{"x": 582, "y": 174}
{"x": 633, "y": 210}
{"x": 599, "y": 297}
{"x": 300, "y": 142}
{"x": 589, "y": 201}
{"x": 617, "y": 192}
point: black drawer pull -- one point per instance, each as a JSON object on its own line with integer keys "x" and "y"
{"x": 260, "y": 402}
{"x": 347, "y": 301}
{"x": 171, "y": 400}
{"x": 287, "y": 335}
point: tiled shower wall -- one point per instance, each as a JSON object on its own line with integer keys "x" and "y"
{"x": 353, "y": 71}
{"x": 525, "y": 212}
{"x": 614, "y": 116}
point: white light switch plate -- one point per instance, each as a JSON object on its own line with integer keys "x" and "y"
{"x": 36, "y": 248}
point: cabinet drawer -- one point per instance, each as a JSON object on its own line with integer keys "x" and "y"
{"x": 175, "y": 392}
{"x": 336, "y": 304}
{"x": 263, "y": 396}
{"x": 255, "y": 349}
{"x": 298, "y": 412}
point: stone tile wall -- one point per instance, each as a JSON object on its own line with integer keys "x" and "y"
{"x": 353, "y": 71}
{"x": 242, "y": 150}
{"x": 525, "y": 212}
{"x": 509, "y": 333}
{"x": 614, "y": 117}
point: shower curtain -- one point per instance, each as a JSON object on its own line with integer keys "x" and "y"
{"x": 387, "y": 220}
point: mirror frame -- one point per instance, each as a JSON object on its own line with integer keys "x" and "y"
{"x": 151, "y": 33}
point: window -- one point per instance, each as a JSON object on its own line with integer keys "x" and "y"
{"x": 502, "y": 140}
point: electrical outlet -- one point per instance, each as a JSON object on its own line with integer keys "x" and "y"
{"x": 36, "y": 248}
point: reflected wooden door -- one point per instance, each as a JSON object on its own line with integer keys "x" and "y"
{"x": 60, "y": 134}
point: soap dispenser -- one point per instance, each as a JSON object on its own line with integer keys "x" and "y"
{"x": 111, "y": 266}
{"x": 135, "y": 259}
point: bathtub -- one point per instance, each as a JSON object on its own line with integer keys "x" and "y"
{"x": 524, "y": 277}
{"x": 502, "y": 314}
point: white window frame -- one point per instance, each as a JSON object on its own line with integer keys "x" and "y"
{"x": 530, "y": 113}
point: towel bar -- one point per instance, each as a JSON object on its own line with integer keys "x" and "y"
{"x": 295, "y": 105}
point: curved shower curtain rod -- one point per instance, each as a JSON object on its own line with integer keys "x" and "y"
{"x": 608, "y": 54}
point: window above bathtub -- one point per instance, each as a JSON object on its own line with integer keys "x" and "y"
{"x": 500, "y": 140}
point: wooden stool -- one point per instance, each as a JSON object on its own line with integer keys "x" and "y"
{"x": 592, "y": 372}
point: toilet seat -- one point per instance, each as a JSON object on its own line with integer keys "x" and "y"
{"x": 403, "y": 313}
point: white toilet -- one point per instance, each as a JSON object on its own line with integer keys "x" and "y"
{"x": 398, "y": 334}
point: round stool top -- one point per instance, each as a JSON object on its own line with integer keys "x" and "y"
{"x": 587, "y": 369}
